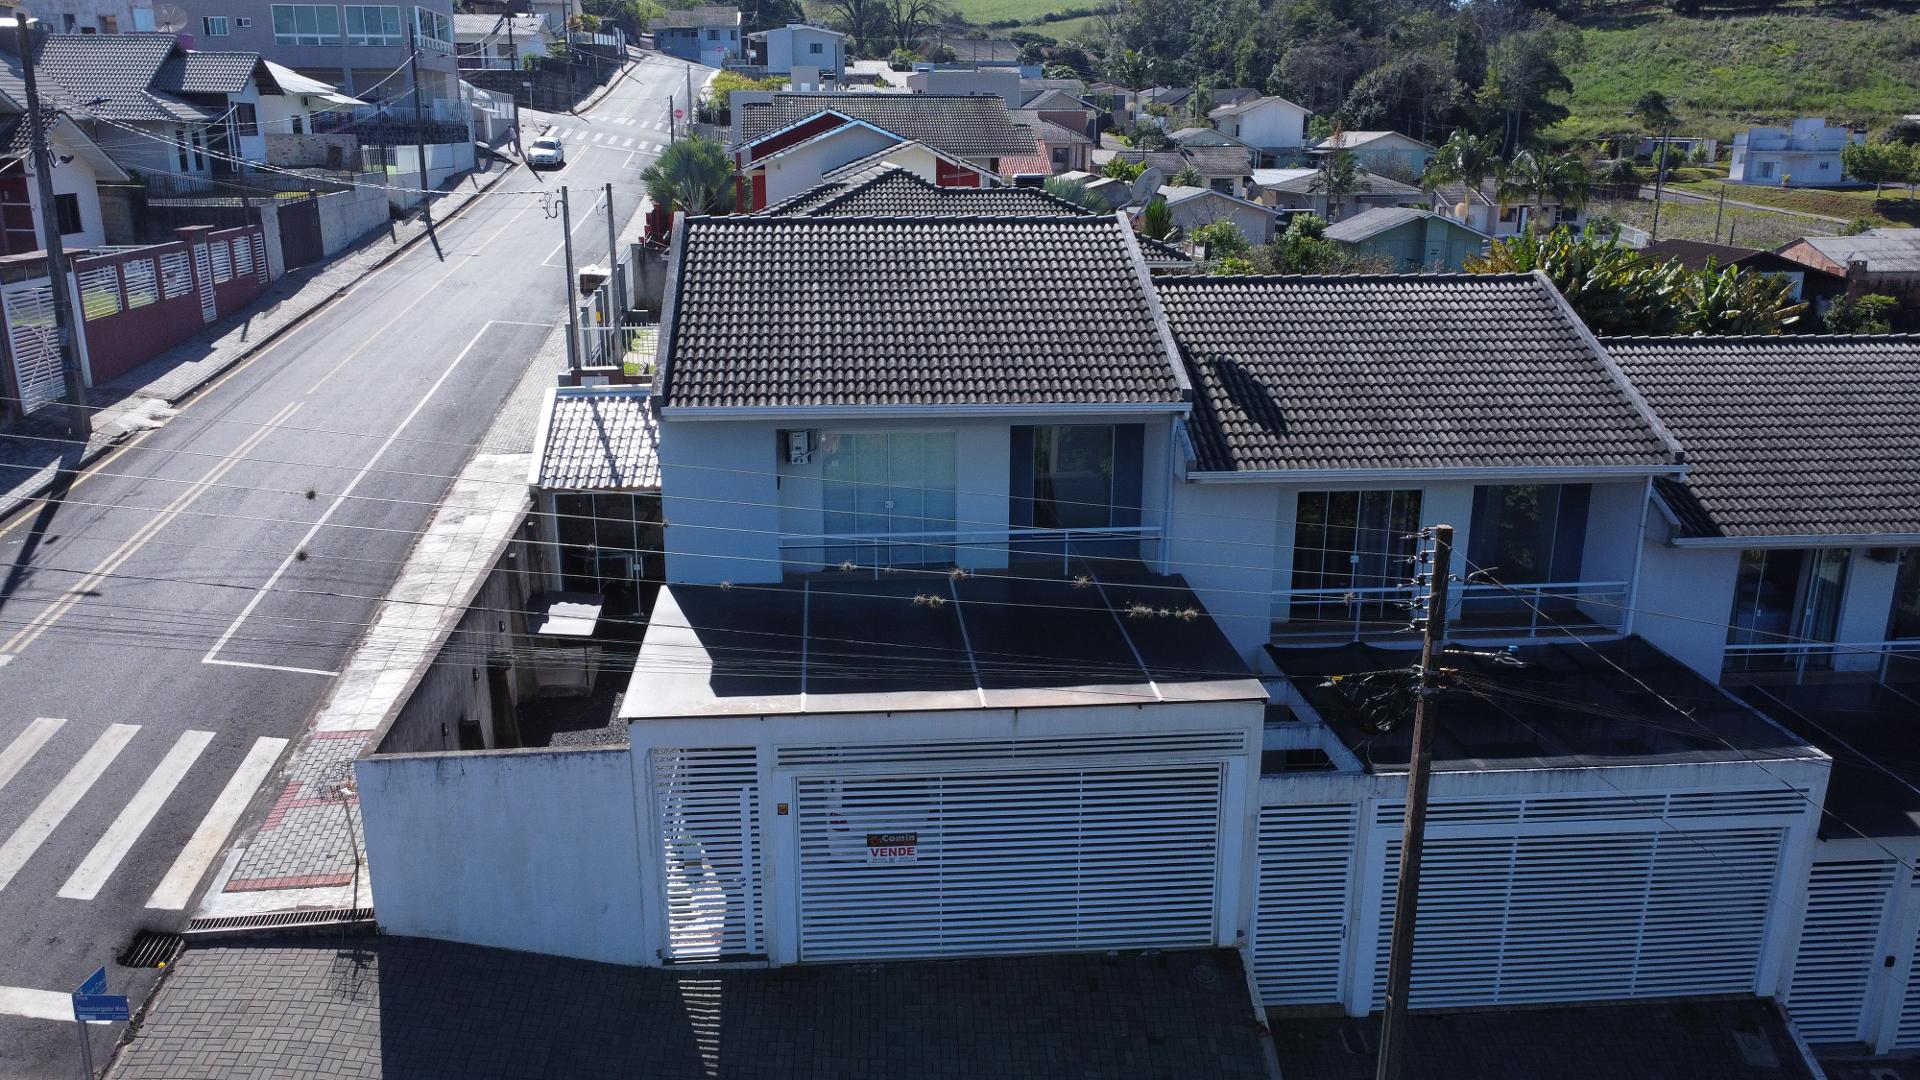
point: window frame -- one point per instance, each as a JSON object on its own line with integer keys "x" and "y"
{"x": 396, "y": 36}
{"x": 318, "y": 35}
{"x": 208, "y": 22}
{"x": 65, "y": 203}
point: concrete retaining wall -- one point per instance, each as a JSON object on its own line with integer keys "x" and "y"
{"x": 313, "y": 151}
{"x": 346, "y": 216}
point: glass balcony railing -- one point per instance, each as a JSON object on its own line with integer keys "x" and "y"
{"x": 1479, "y": 610}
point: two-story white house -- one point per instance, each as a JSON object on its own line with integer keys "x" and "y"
{"x": 1804, "y": 155}
{"x": 1275, "y": 126}
{"x": 801, "y": 45}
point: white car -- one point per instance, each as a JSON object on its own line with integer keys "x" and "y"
{"x": 547, "y": 152}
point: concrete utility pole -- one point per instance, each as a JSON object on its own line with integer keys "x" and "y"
{"x": 513, "y": 65}
{"x": 573, "y": 286}
{"x": 1660, "y": 160}
{"x": 79, "y": 425}
{"x": 1406, "y": 902}
{"x": 614, "y": 289}
{"x": 419, "y": 122}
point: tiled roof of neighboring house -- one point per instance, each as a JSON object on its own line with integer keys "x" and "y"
{"x": 803, "y": 202}
{"x": 1162, "y": 255}
{"x": 1054, "y": 99}
{"x": 1355, "y": 140}
{"x": 111, "y": 76}
{"x": 207, "y": 73}
{"x": 1885, "y": 251}
{"x": 972, "y": 126}
{"x": 1210, "y": 160}
{"x": 1372, "y": 222}
{"x": 1247, "y": 104}
{"x": 600, "y": 439}
{"x": 1693, "y": 254}
{"x": 697, "y": 17}
{"x": 1174, "y": 96}
{"x": 899, "y": 193}
{"x": 1301, "y": 182}
{"x": 1047, "y": 131}
{"x": 1199, "y": 136}
{"x": 823, "y": 311}
{"x": 1796, "y": 435}
{"x": 1400, "y": 373}
{"x": 977, "y": 51}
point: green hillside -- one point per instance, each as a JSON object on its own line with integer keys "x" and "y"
{"x": 1731, "y": 71}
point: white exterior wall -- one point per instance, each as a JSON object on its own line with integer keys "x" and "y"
{"x": 522, "y": 849}
{"x": 981, "y": 82}
{"x": 76, "y": 178}
{"x": 1274, "y": 124}
{"x": 790, "y": 45}
{"x": 800, "y": 167}
{"x": 1255, "y": 222}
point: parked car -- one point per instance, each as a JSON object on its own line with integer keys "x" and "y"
{"x": 547, "y": 152}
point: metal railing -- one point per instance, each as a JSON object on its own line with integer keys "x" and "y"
{"x": 1479, "y": 610}
{"x": 940, "y": 548}
{"x": 1800, "y": 658}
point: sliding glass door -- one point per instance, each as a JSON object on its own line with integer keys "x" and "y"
{"x": 1351, "y": 552}
{"x": 1784, "y": 601}
{"x": 887, "y": 498}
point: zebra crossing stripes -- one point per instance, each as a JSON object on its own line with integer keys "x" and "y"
{"x": 25, "y": 745}
{"x": 177, "y": 887}
{"x": 134, "y": 818}
{"x": 59, "y": 802}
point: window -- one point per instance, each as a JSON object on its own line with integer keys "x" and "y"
{"x": 143, "y": 19}
{"x": 1766, "y": 170}
{"x": 306, "y": 24}
{"x": 815, "y": 48}
{"x": 1783, "y": 597}
{"x": 374, "y": 25}
{"x": 1528, "y": 534}
{"x": 1904, "y": 625}
{"x": 876, "y": 485}
{"x": 713, "y": 35}
{"x": 1355, "y": 542}
{"x": 601, "y": 547}
{"x": 1825, "y": 165}
{"x": 246, "y": 119}
{"x": 1073, "y": 471}
{"x": 214, "y": 25}
{"x": 110, "y": 24}
{"x": 435, "y": 30}
{"x": 66, "y": 209}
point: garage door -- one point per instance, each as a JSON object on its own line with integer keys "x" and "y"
{"x": 1008, "y": 861}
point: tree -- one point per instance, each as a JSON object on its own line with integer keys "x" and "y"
{"x": 693, "y": 174}
{"x": 1230, "y": 264}
{"x": 1200, "y": 107}
{"x": 1613, "y": 290}
{"x": 1879, "y": 163}
{"x": 1735, "y": 301}
{"x": 1156, "y": 222}
{"x": 1466, "y": 159}
{"x": 1536, "y": 178}
{"x": 861, "y": 20}
{"x": 1337, "y": 175}
{"x": 1655, "y": 112}
{"x": 1119, "y": 168}
{"x": 1188, "y": 176}
{"x": 908, "y": 19}
{"x": 1221, "y": 238}
{"x": 1152, "y": 137}
{"x": 1868, "y": 313}
{"x": 1075, "y": 191}
{"x": 1125, "y": 67}
{"x": 1904, "y": 130}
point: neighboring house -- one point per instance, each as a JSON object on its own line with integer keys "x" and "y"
{"x": 1805, "y": 155}
{"x": 1299, "y": 189}
{"x": 353, "y": 47}
{"x": 1817, "y": 287}
{"x": 1389, "y": 152}
{"x": 1193, "y": 207}
{"x": 984, "y": 52}
{"x": 1225, "y": 169}
{"x": 80, "y": 166}
{"x": 1885, "y": 261}
{"x": 1070, "y": 111}
{"x": 499, "y": 41}
{"x": 1681, "y": 144}
{"x": 785, "y": 176}
{"x": 1175, "y": 97}
{"x": 801, "y": 45}
{"x": 899, "y": 192}
{"x": 785, "y": 143}
{"x": 91, "y": 16}
{"x": 1275, "y": 125}
{"x": 1205, "y": 136}
{"x": 1063, "y": 148}
{"x": 709, "y": 34}
{"x": 1482, "y": 209}
{"x": 1003, "y": 83}
{"x": 1408, "y": 239}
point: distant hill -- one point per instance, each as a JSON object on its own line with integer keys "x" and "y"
{"x": 1729, "y": 71}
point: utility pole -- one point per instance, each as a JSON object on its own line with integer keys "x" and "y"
{"x": 1406, "y": 902}
{"x": 573, "y": 287}
{"x": 689, "y": 70}
{"x": 1659, "y": 177}
{"x": 513, "y": 65}
{"x": 78, "y": 424}
{"x": 615, "y": 290}
{"x": 419, "y": 122}
{"x": 671, "y": 137}
{"x": 1718, "y": 212}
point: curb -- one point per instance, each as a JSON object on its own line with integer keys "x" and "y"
{"x": 15, "y": 502}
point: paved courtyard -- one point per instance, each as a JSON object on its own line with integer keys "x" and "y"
{"x": 405, "y": 1007}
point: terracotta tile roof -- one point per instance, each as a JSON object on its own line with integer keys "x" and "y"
{"x": 1794, "y": 435}
{"x": 821, "y": 311}
{"x": 1400, "y": 373}
{"x": 969, "y": 126}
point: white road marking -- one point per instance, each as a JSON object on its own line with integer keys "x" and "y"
{"x": 38, "y": 1004}
{"x": 61, "y": 800}
{"x": 104, "y": 859}
{"x": 25, "y": 745}
{"x": 177, "y": 887}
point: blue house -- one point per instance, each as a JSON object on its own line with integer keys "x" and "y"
{"x": 709, "y": 34}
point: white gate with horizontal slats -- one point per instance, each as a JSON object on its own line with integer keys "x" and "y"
{"x": 1008, "y": 860}
{"x": 203, "y": 274}
{"x": 1554, "y": 898}
{"x": 1305, "y": 883}
{"x": 707, "y": 807}
{"x": 1836, "y": 971}
{"x": 34, "y": 342}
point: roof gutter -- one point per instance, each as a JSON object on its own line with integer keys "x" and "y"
{"x": 882, "y": 412}
{"x": 1393, "y": 475}
{"x": 669, "y": 302}
{"x": 1821, "y": 540}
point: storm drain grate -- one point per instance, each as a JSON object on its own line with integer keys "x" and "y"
{"x": 151, "y": 949}
{"x": 281, "y": 920}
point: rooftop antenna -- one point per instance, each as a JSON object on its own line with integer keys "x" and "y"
{"x": 1146, "y": 185}
{"x": 169, "y": 18}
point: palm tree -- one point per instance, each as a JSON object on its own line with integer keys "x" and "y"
{"x": 1464, "y": 159}
{"x": 693, "y": 174}
{"x": 1534, "y": 179}
{"x": 1156, "y": 222}
{"x": 1338, "y": 177}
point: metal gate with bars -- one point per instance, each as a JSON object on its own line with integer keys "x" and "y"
{"x": 1837, "y": 991}
{"x": 1304, "y": 884}
{"x": 33, "y": 343}
{"x": 706, "y": 803}
{"x": 1008, "y": 860}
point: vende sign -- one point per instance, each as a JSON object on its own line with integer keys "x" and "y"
{"x": 892, "y": 847}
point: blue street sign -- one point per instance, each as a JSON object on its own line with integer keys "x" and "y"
{"x": 96, "y": 984}
{"x": 100, "y": 1007}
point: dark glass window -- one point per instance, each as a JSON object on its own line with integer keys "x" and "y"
{"x": 1786, "y": 597}
{"x": 1073, "y": 476}
{"x": 1905, "y": 623}
{"x": 1353, "y": 541}
{"x": 1529, "y": 534}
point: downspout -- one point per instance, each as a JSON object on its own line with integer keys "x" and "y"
{"x": 1639, "y": 554}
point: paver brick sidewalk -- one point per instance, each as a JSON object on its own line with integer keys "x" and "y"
{"x": 427, "y": 1010}
{"x": 30, "y": 452}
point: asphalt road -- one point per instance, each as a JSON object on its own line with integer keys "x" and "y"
{"x": 181, "y": 610}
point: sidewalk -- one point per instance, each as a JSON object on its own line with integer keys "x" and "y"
{"x": 425, "y": 1010}
{"x": 31, "y": 451}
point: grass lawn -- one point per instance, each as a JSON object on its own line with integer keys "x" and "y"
{"x": 1728, "y": 72}
{"x": 1695, "y": 221}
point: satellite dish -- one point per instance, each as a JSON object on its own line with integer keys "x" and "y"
{"x": 1147, "y": 184}
{"x": 169, "y": 18}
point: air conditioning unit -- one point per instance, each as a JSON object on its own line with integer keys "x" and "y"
{"x": 243, "y": 22}
{"x": 796, "y": 446}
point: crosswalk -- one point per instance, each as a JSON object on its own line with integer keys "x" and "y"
{"x": 120, "y": 752}
{"x": 646, "y": 137}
